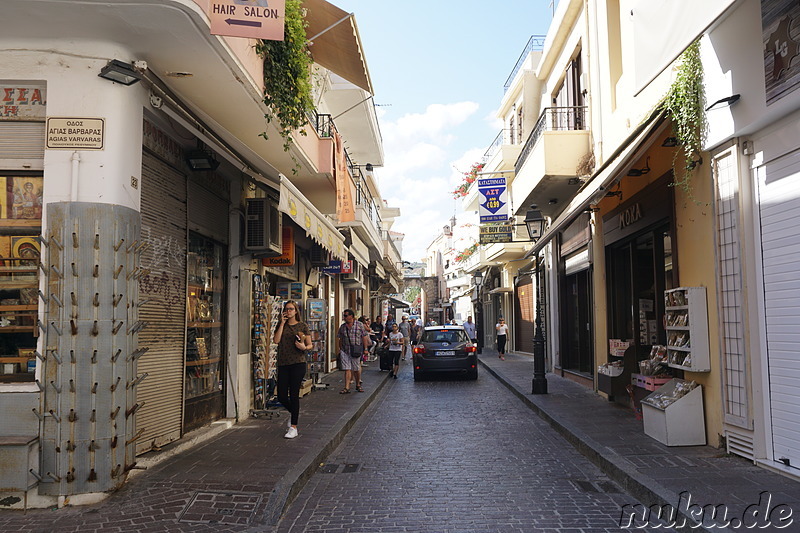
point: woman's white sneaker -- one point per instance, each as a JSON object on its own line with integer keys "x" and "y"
{"x": 292, "y": 433}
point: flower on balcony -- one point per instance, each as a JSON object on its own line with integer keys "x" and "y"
{"x": 469, "y": 179}
{"x": 466, "y": 253}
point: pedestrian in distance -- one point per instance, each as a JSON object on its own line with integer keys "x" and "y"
{"x": 472, "y": 330}
{"x": 405, "y": 328}
{"x": 293, "y": 339}
{"x": 502, "y": 335}
{"x": 353, "y": 341}
{"x": 416, "y": 331}
{"x": 397, "y": 342}
{"x": 377, "y": 334}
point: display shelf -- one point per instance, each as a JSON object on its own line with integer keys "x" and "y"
{"x": 15, "y": 359}
{"x": 686, "y": 325}
{"x": 17, "y": 329}
{"x": 19, "y": 308}
{"x": 204, "y": 324}
{"x": 202, "y": 362}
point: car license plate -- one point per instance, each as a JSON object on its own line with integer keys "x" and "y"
{"x": 446, "y": 352}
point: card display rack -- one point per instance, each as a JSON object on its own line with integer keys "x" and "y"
{"x": 686, "y": 324}
{"x": 316, "y": 312}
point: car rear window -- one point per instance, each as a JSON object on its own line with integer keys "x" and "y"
{"x": 444, "y": 335}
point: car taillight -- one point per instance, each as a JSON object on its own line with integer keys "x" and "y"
{"x": 471, "y": 348}
{"x": 419, "y": 348}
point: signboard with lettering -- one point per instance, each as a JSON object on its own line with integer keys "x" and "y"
{"x": 75, "y": 133}
{"x": 491, "y": 233}
{"x": 255, "y": 19}
{"x": 287, "y": 252}
{"x": 494, "y": 205}
{"x": 22, "y": 102}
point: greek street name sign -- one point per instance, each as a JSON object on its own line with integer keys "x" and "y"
{"x": 75, "y": 133}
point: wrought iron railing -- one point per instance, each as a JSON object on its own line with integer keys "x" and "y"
{"x": 552, "y": 119}
{"x": 536, "y": 42}
{"x": 493, "y": 148}
{"x": 322, "y": 123}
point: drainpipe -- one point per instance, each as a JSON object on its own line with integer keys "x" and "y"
{"x": 76, "y": 163}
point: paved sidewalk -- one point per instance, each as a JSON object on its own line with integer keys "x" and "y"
{"x": 240, "y": 479}
{"x": 611, "y": 437}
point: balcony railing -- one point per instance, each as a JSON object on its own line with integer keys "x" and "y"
{"x": 365, "y": 200}
{"x": 536, "y": 42}
{"x": 552, "y": 119}
{"x": 322, "y": 123}
{"x": 493, "y": 148}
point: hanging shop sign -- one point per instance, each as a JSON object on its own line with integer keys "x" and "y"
{"x": 255, "y": 19}
{"x": 75, "y": 133}
{"x": 492, "y": 233}
{"x": 287, "y": 257}
{"x": 22, "y": 102}
{"x": 339, "y": 267}
{"x": 494, "y": 207}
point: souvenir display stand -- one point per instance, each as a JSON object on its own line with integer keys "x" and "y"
{"x": 260, "y": 346}
{"x": 686, "y": 323}
{"x": 316, "y": 313}
{"x": 673, "y": 414}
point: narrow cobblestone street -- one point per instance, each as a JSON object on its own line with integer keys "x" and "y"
{"x": 455, "y": 456}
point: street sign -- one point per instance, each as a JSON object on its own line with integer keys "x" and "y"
{"x": 255, "y": 19}
{"x": 494, "y": 207}
{"x": 77, "y": 133}
{"x": 491, "y": 233}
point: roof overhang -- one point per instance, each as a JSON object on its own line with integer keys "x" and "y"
{"x": 335, "y": 42}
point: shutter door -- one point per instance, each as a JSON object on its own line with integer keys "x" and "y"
{"x": 164, "y": 230}
{"x": 523, "y": 315}
{"x": 22, "y": 140}
{"x": 779, "y": 203}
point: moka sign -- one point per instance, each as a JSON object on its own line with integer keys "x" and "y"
{"x": 255, "y": 19}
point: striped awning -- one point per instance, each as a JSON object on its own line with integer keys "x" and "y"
{"x": 317, "y": 226}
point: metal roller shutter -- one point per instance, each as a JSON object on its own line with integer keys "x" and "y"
{"x": 208, "y": 213}
{"x": 523, "y": 315}
{"x": 779, "y": 202}
{"x": 22, "y": 140}
{"x": 164, "y": 230}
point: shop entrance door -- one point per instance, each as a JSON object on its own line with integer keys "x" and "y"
{"x": 639, "y": 271}
{"x": 576, "y": 350}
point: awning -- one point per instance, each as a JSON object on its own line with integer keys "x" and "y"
{"x": 335, "y": 42}
{"x": 397, "y": 302}
{"x": 500, "y": 290}
{"x": 603, "y": 178}
{"x": 305, "y": 215}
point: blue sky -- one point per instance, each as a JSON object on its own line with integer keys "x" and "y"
{"x": 438, "y": 69}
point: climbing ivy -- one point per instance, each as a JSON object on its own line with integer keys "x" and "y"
{"x": 287, "y": 75}
{"x": 685, "y": 103}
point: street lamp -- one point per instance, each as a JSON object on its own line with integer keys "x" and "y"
{"x": 535, "y": 222}
{"x": 477, "y": 279}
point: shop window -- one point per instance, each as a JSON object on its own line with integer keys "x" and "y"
{"x": 205, "y": 348}
{"x": 20, "y": 226}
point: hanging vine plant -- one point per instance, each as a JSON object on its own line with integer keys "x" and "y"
{"x": 685, "y": 103}
{"x": 287, "y": 76}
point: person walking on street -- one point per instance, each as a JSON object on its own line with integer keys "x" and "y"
{"x": 293, "y": 339}
{"x": 502, "y": 335}
{"x": 405, "y": 329}
{"x": 396, "y": 345}
{"x": 353, "y": 340}
{"x": 377, "y": 334}
{"x": 472, "y": 330}
{"x": 416, "y": 331}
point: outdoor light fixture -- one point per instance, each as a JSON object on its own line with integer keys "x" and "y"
{"x": 692, "y": 164}
{"x": 670, "y": 142}
{"x": 640, "y": 171}
{"x": 477, "y": 278}
{"x": 724, "y": 102}
{"x": 201, "y": 160}
{"x": 120, "y": 72}
{"x": 534, "y": 221}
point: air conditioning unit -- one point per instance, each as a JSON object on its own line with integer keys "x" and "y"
{"x": 320, "y": 257}
{"x": 263, "y": 226}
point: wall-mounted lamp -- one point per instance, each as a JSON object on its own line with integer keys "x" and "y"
{"x": 640, "y": 171}
{"x": 724, "y": 102}
{"x": 477, "y": 278}
{"x": 201, "y": 160}
{"x": 120, "y": 72}
{"x": 670, "y": 142}
{"x": 534, "y": 221}
{"x": 692, "y": 164}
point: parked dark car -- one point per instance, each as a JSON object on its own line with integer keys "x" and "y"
{"x": 445, "y": 349}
